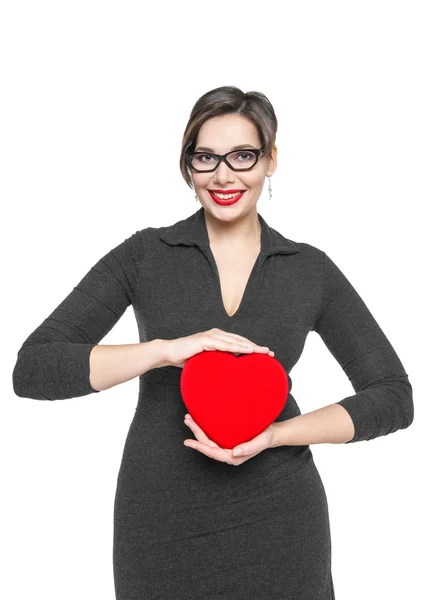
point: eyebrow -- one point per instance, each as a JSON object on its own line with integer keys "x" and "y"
{"x": 204, "y": 149}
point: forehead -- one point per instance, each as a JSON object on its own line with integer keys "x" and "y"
{"x": 227, "y": 132}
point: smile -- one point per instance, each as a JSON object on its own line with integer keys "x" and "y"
{"x": 226, "y": 199}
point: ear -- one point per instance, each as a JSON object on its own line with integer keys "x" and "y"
{"x": 272, "y": 162}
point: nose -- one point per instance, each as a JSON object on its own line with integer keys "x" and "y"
{"x": 223, "y": 174}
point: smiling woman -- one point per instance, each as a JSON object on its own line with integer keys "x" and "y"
{"x": 189, "y": 525}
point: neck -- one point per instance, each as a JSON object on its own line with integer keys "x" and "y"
{"x": 243, "y": 231}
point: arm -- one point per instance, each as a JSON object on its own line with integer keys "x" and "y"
{"x": 327, "y": 425}
{"x": 111, "y": 365}
{"x": 57, "y": 360}
{"x": 383, "y": 402}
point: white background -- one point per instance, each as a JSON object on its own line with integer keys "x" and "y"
{"x": 94, "y": 99}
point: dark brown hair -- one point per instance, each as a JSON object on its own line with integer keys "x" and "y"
{"x": 225, "y": 100}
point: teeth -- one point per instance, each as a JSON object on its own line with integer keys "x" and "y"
{"x": 226, "y": 196}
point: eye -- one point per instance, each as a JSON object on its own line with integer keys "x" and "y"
{"x": 246, "y": 157}
{"x": 249, "y": 155}
{"x": 201, "y": 157}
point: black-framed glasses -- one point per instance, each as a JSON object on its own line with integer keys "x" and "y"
{"x": 237, "y": 160}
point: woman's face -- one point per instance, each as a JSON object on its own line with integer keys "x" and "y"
{"x": 221, "y": 134}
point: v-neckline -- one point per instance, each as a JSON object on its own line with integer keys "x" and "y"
{"x": 247, "y": 287}
{"x": 250, "y": 280}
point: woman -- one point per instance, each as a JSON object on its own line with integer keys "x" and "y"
{"x": 188, "y": 525}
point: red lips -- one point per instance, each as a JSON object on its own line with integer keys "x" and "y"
{"x": 226, "y": 191}
{"x": 224, "y": 202}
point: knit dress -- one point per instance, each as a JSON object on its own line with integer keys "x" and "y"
{"x": 188, "y": 527}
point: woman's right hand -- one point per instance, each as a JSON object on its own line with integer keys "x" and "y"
{"x": 179, "y": 350}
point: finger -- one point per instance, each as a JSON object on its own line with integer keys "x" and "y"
{"x": 255, "y": 446}
{"x": 271, "y": 353}
{"x": 243, "y": 346}
{"x": 239, "y": 338}
{"x": 211, "y": 451}
{"x": 199, "y": 433}
{"x": 227, "y": 346}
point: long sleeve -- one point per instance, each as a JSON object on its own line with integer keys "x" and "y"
{"x": 53, "y": 362}
{"x": 383, "y": 402}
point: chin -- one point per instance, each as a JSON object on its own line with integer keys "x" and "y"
{"x": 227, "y": 213}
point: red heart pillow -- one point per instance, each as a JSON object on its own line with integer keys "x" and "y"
{"x": 233, "y": 398}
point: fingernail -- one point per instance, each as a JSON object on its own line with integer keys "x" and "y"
{"x": 237, "y": 452}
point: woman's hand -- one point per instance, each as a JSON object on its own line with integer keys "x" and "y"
{"x": 213, "y": 450}
{"x": 177, "y": 351}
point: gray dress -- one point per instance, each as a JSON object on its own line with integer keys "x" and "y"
{"x": 188, "y": 527}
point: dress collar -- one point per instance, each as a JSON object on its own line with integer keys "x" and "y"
{"x": 192, "y": 231}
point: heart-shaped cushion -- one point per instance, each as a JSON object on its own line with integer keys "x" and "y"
{"x": 233, "y": 398}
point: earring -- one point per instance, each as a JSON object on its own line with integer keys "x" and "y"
{"x": 270, "y": 190}
{"x": 196, "y": 195}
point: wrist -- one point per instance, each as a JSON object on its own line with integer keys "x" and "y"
{"x": 159, "y": 352}
{"x": 279, "y": 434}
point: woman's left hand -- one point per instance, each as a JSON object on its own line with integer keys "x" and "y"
{"x": 213, "y": 450}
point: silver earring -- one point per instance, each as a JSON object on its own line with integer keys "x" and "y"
{"x": 196, "y": 195}
{"x": 270, "y": 189}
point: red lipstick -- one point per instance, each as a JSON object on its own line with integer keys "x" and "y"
{"x": 228, "y": 202}
{"x": 227, "y": 191}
